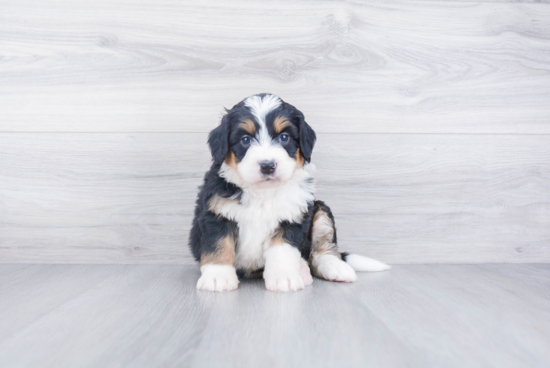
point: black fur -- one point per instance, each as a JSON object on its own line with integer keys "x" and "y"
{"x": 299, "y": 235}
{"x": 208, "y": 228}
{"x": 217, "y": 140}
{"x": 307, "y": 135}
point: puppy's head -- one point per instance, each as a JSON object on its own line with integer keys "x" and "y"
{"x": 263, "y": 140}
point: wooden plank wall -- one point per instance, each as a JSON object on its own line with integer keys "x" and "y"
{"x": 433, "y": 120}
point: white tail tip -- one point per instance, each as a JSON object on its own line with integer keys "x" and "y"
{"x": 360, "y": 263}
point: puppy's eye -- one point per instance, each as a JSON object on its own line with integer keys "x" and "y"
{"x": 245, "y": 140}
{"x": 283, "y": 138}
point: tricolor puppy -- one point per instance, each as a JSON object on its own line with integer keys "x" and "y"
{"x": 256, "y": 212}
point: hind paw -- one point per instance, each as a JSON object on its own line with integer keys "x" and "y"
{"x": 332, "y": 268}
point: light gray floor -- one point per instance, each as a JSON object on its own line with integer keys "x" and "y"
{"x": 494, "y": 315}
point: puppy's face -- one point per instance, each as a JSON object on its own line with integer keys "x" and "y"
{"x": 263, "y": 140}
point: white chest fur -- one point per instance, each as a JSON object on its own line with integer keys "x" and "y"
{"x": 259, "y": 213}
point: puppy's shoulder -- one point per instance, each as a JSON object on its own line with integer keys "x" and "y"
{"x": 215, "y": 185}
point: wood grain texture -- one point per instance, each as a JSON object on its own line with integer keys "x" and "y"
{"x": 424, "y": 306}
{"x": 43, "y": 288}
{"x": 129, "y": 198}
{"x": 321, "y": 327}
{"x": 143, "y": 316}
{"x": 7, "y": 269}
{"x": 411, "y": 316}
{"x": 397, "y": 66}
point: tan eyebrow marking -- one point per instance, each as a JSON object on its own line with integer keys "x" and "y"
{"x": 280, "y": 123}
{"x": 249, "y": 126}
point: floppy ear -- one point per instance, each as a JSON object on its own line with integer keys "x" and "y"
{"x": 218, "y": 140}
{"x": 307, "y": 137}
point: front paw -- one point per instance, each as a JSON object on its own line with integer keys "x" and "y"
{"x": 283, "y": 280}
{"x": 218, "y": 278}
{"x": 283, "y": 269}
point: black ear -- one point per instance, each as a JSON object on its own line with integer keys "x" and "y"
{"x": 307, "y": 137}
{"x": 218, "y": 140}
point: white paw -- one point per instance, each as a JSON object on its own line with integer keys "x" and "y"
{"x": 332, "y": 268}
{"x": 284, "y": 280}
{"x": 218, "y": 278}
{"x": 284, "y": 269}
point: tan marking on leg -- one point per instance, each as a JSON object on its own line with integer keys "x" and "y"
{"x": 249, "y": 126}
{"x": 280, "y": 123}
{"x": 224, "y": 253}
{"x": 277, "y": 238}
{"x": 322, "y": 236}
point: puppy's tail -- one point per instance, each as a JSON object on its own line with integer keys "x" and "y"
{"x": 360, "y": 263}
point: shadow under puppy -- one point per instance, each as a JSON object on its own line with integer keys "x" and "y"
{"x": 256, "y": 212}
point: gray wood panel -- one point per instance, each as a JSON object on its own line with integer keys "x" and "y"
{"x": 410, "y": 316}
{"x": 435, "y": 66}
{"x": 129, "y": 198}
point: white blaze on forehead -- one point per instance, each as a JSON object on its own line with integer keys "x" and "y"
{"x": 260, "y": 107}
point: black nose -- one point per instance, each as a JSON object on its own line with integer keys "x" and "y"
{"x": 267, "y": 167}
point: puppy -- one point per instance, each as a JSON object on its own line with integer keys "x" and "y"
{"x": 256, "y": 213}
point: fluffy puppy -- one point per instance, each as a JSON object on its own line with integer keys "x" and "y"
{"x": 256, "y": 213}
